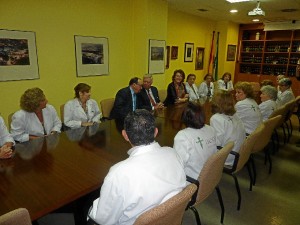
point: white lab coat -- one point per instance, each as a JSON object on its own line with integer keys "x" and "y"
{"x": 74, "y": 113}
{"x": 248, "y": 111}
{"x": 222, "y": 86}
{"x": 284, "y": 97}
{"x": 267, "y": 108}
{"x": 203, "y": 89}
{"x": 27, "y": 123}
{"x": 228, "y": 128}
{"x": 193, "y": 95}
{"x": 195, "y": 146}
{"x": 5, "y": 136}
{"x": 151, "y": 175}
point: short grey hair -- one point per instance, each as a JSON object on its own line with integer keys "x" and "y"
{"x": 285, "y": 82}
{"x": 270, "y": 91}
{"x": 148, "y": 76}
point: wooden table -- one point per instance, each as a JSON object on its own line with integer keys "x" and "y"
{"x": 48, "y": 173}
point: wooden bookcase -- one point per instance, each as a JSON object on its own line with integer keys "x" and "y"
{"x": 266, "y": 54}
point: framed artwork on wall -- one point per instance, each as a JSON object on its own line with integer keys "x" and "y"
{"x": 188, "y": 52}
{"x": 174, "y": 52}
{"x": 199, "y": 58}
{"x": 231, "y": 50}
{"x": 156, "y": 56}
{"x": 91, "y": 56}
{"x": 18, "y": 55}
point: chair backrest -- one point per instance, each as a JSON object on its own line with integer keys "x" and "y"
{"x": 211, "y": 172}
{"x": 247, "y": 146}
{"x": 162, "y": 94}
{"x": 16, "y": 217}
{"x": 169, "y": 212}
{"x": 62, "y": 109}
{"x": 106, "y": 107}
{"x": 265, "y": 136}
{"x": 289, "y": 109}
{"x": 279, "y": 111}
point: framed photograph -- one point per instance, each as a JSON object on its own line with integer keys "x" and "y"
{"x": 91, "y": 56}
{"x": 157, "y": 50}
{"x": 188, "y": 52}
{"x": 231, "y": 50}
{"x": 199, "y": 58}
{"x": 18, "y": 55}
{"x": 168, "y": 57}
{"x": 174, "y": 52}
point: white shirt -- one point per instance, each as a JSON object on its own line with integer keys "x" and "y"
{"x": 248, "y": 111}
{"x": 5, "y": 136}
{"x": 284, "y": 97}
{"x": 193, "y": 94}
{"x": 27, "y": 123}
{"x": 74, "y": 113}
{"x": 222, "y": 85}
{"x": 228, "y": 128}
{"x": 195, "y": 146}
{"x": 151, "y": 175}
{"x": 267, "y": 108}
{"x": 203, "y": 89}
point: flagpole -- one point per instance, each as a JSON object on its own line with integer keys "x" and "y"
{"x": 216, "y": 60}
{"x": 211, "y": 57}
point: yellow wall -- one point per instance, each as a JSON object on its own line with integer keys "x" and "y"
{"x": 128, "y": 25}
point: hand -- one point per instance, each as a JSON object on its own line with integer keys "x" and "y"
{"x": 5, "y": 152}
{"x": 159, "y": 106}
{"x": 86, "y": 124}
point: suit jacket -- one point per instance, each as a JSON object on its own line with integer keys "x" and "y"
{"x": 144, "y": 100}
{"x": 123, "y": 104}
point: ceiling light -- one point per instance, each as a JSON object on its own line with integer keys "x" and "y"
{"x": 233, "y": 11}
{"x": 235, "y": 1}
{"x": 257, "y": 11}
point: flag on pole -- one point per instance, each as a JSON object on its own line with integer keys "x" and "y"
{"x": 216, "y": 60}
{"x": 211, "y": 56}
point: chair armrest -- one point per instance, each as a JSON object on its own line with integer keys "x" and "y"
{"x": 235, "y": 162}
{"x": 194, "y": 197}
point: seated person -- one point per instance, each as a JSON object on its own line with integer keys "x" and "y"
{"x": 225, "y": 83}
{"x": 148, "y": 96}
{"x": 176, "y": 92}
{"x": 266, "y": 82}
{"x": 285, "y": 94}
{"x": 6, "y": 141}
{"x": 81, "y": 111}
{"x": 268, "y": 101}
{"x": 151, "y": 175}
{"x": 246, "y": 107}
{"x": 197, "y": 142}
{"x": 126, "y": 100}
{"x": 206, "y": 88}
{"x": 278, "y": 78}
{"x": 227, "y": 125}
{"x": 36, "y": 118}
{"x": 191, "y": 88}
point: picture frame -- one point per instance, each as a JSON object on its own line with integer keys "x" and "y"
{"x": 168, "y": 52}
{"x": 188, "y": 52}
{"x": 199, "y": 58}
{"x": 157, "y": 49}
{"x": 92, "y": 57}
{"x": 231, "y": 52}
{"x": 174, "y": 52}
{"x": 18, "y": 55}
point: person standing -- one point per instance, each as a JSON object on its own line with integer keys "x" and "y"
{"x": 126, "y": 100}
{"x": 151, "y": 175}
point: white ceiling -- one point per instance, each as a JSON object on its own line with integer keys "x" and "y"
{"x": 218, "y": 10}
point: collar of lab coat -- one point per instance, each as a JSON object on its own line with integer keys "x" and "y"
{"x": 142, "y": 149}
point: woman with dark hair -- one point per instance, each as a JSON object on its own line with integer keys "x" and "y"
{"x": 197, "y": 142}
{"x": 176, "y": 92}
{"x": 246, "y": 107}
{"x": 225, "y": 83}
{"x": 36, "y": 118}
{"x": 206, "y": 88}
{"x": 227, "y": 125}
{"x": 81, "y": 111}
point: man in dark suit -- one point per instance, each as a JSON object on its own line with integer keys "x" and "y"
{"x": 148, "y": 97}
{"x": 126, "y": 100}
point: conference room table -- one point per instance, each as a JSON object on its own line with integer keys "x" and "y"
{"x": 50, "y": 172}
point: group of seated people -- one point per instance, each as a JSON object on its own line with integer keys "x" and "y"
{"x": 146, "y": 179}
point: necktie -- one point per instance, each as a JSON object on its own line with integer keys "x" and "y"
{"x": 133, "y": 101}
{"x": 153, "y": 103}
{"x": 226, "y": 85}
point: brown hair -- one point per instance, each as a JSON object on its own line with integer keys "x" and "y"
{"x": 223, "y": 102}
{"x": 31, "y": 99}
{"x": 246, "y": 87}
{"x": 81, "y": 87}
